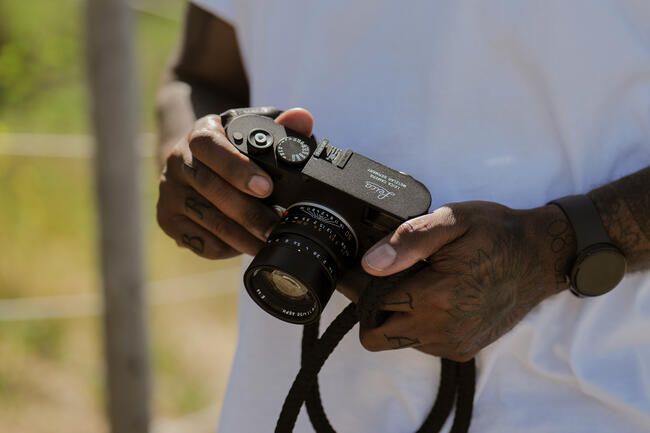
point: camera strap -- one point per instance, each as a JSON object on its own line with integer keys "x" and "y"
{"x": 457, "y": 379}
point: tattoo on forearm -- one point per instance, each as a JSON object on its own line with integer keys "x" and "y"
{"x": 624, "y": 207}
{"x": 408, "y": 301}
{"x": 613, "y": 212}
{"x": 195, "y": 243}
{"x": 401, "y": 342}
{"x": 195, "y": 206}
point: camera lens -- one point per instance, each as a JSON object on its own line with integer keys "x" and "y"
{"x": 295, "y": 273}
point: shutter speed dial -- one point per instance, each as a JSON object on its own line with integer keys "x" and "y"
{"x": 292, "y": 150}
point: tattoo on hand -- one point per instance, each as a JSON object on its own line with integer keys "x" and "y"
{"x": 195, "y": 243}
{"x": 408, "y": 301}
{"x": 195, "y": 206}
{"x": 402, "y": 342}
{"x": 485, "y": 304}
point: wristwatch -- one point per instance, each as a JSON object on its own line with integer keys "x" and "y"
{"x": 599, "y": 264}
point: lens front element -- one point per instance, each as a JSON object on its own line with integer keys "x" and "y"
{"x": 295, "y": 273}
{"x": 285, "y": 284}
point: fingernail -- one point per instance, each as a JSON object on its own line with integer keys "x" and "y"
{"x": 380, "y": 258}
{"x": 259, "y": 185}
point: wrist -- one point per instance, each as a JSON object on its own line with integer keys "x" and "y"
{"x": 554, "y": 240}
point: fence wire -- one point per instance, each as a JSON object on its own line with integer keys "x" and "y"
{"x": 170, "y": 291}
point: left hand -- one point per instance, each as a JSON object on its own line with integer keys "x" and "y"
{"x": 489, "y": 266}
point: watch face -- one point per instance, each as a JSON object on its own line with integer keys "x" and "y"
{"x": 598, "y": 270}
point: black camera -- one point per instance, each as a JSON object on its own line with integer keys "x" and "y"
{"x": 335, "y": 204}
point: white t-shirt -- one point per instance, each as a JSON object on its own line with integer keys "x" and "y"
{"x": 513, "y": 101}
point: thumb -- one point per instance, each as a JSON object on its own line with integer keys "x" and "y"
{"x": 298, "y": 119}
{"x": 412, "y": 241}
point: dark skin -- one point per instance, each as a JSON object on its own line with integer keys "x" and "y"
{"x": 489, "y": 265}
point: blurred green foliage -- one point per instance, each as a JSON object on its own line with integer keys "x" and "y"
{"x": 42, "y": 81}
{"x": 41, "y": 71}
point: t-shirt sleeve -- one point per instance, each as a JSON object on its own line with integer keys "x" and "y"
{"x": 224, "y": 9}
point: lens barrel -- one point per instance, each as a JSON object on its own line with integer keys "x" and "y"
{"x": 295, "y": 273}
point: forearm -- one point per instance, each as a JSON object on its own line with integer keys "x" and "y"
{"x": 180, "y": 103}
{"x": 624, "y": 206}
{"x": 205, "y": 76}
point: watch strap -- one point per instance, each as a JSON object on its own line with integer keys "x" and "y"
{"x": 585, "y": 219}
{"x": 599, "y": 265}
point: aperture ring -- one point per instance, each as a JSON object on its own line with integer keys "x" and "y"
{"x": 300, "y": 244}
{"x": 329, "y": 217}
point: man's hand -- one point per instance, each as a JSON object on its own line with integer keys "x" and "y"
{"x": 489, "y": 266}
{"x": 209, "y": 191}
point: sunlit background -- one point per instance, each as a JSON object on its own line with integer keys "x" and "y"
{"x": 51, "y": 360}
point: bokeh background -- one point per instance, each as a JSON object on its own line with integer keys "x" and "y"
{"x": 51, "y": 353}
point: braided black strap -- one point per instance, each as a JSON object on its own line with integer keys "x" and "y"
{"x": 313, "y": 402}
{"x": 306, "y": 378}
{"x": 457, "y": 380}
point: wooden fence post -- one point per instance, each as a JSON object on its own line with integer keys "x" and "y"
{"x": 114, "y": 104}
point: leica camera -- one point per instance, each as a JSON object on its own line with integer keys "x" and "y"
{"x": 335, "y": 204}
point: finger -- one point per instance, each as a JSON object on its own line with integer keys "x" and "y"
{"x": 403, "y": 330}
{"x": 298, "y": 119}
{"x": 414, "y": 240}
{"x": 396, "y": 333}
{"x": 248, "y": 212}
{"x": 209, "y": 144}
{"x": 422, "y": 291}
{"x": 181, "y": 199}
{"x": 192, "y": 236}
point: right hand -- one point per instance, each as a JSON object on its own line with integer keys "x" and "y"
{"x": 209, "y": 191}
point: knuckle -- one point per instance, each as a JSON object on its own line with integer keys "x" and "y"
{"x": 406, "y": 229}
{"x": 174, "y": 161}
{"x": 461, "y": 356}
{"x": 217, "y": 222}
{"x": 202, "y": 140}
{"x": 198, "y": 142}
{"x": 164, "y": 188}
{"x": 258, "y": 216}
{"x": 216, "y": 191}
{"x": 368, "y": 342}
{"x": 163, "y": 221}
{"x": 163, "y": 216}
{"x": 411, "y": 231}
{"x": 204, "y": 178}
{"x": 208, "y": 121}
{"x": 409, "y": 234}
{"x": 451, "y": 214}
